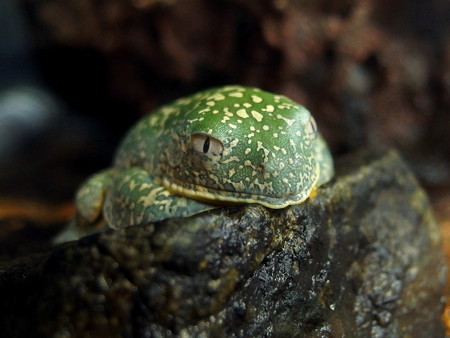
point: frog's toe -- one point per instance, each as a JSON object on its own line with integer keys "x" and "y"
{"x": 90, "y": 197}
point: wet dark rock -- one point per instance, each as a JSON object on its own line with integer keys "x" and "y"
{"x": 362, "y": 258}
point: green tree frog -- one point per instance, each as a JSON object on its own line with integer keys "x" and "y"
{"x": 225, "y": 145}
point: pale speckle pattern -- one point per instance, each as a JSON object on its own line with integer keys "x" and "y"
{"x": 242, "y": 113}
{"x": 258, "y": 116}
{"x": 256, "y": 99}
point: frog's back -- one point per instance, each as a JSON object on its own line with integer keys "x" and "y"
{"x": 143, "y": 143}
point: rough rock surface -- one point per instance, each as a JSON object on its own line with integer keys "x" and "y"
{"x": 362, "y": 258}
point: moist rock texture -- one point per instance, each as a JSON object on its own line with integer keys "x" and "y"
{"x": 362, "y": 258}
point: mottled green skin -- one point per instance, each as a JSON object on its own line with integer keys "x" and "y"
{"x": 271, "y": 155}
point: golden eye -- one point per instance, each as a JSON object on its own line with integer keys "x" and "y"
{"x": 206, "y": 144}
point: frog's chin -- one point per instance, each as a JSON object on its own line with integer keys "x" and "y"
{"x": 213, "y": 196}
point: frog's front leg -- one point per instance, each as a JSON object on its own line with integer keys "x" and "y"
{"x": 89, "y": 202}
{"x": 135, "y": 198}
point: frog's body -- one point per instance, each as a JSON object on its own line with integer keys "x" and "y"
{"x": 226, "y": 145}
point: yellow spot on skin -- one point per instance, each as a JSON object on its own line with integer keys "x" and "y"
{"x": 236, "y": 94}
{"x": 265, "y": 150}
{"x": 210, "y": 103}
{"x": 275, "y": 135}
{"x": 231, "y": 159}
{"x": 242, "y": 113}
{"x": 215, "y": 111}
{"x": 247, "y": 151}
{"x": 288, "y": 121}
{"x": 256, "y": 99}
{"x": 284, "y": 106}
{"x": 313, "y": 192}
{"x": 217, "y": 97}
{"x": 247, "y": 105}
{"x": 214, "y": 178}
{"x": 203, "y": 111}
{"x": 183, "y": 101}
{"x": 236, "y": 105}
{"x": 234, "y": 143}
{"x": 265, "y": 127}
{"x": 270, "y": 108}
{"x": 232, "y": 126}
{"x": 238, "y": 186}
{"x": 252, "y": 128}
{"x": 258, "y": 116}
{"x": 231, "y": 172}
{"x": 248, "y": 163}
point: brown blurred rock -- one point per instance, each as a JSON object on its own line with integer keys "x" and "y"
{"x": 362, "y": 258}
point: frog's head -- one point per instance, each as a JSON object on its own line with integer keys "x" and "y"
{"x": 239, "y": 144}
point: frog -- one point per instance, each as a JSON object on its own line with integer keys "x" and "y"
{"x": 222, "y": 146}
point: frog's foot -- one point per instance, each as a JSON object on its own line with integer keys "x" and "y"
{"x": 90, "y": 197}
{"x": 88, "y": 204}
{"x": 135, "y": 198}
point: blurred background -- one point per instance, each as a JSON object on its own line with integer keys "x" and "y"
{"x": 75, "y": 74}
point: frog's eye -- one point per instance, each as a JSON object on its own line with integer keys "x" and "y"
{"x": 311, "y": 126}
{"x": 206, "y": 144}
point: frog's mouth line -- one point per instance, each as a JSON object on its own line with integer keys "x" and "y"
{"x": 213, "y": 196}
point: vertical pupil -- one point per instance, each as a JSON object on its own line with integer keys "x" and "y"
{"x": 206, "y": 145}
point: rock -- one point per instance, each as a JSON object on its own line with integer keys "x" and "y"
{"x": 362, "y": 258}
